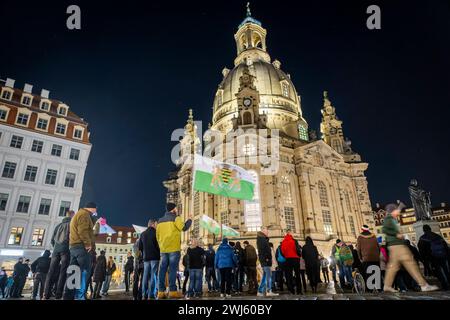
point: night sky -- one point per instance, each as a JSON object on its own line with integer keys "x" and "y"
{"x": 136, "y": 67}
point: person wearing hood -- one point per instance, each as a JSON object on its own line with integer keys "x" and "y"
{"x": 265, "y": 259}
{"x": 60, "y": 257}
{"x": 368, "y": 249}
{"x": 225, "y": 261}
{"x": 434, "y": 251}
{"x": 291, "y": 251}
{"x": 40, "y": 268}
{"x": 399, "y": 253}
{"x": 20, "y": 274}
{"x": 99, "y": 274}
{"x": 311, "y": 256}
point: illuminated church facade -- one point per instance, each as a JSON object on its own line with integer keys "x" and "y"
{"x": 319, "y": 189}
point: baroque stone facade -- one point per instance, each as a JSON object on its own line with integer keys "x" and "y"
{"x": 319, "y": 188}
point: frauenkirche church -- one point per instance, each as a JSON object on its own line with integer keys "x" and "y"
{"x": 319, "y": 189}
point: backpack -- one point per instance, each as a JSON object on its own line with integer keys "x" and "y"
{"x": 280, "y": 257}
{"x": 62, "y": 234}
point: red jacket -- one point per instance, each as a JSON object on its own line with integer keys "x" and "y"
{"x": 288, "y": 247}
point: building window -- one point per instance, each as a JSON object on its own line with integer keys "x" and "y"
{"x": 50, "y": 178}
{"x": 15, "y": 236}
{"x": 44, "y": 207}
{"x": 129, "y": 240}
{"x": 37, "y": 146}
{"x": 56, "y": 150}
{"x": 45, "y": 105}
{"x": 9, "y": 169}
{"x": 6, "y": 95}
{"x": 78, "y": 133}
{"x": 327, "y": 223}
{"x": 196, "y": 228}
{"x": 108, "y": 240}
{"x": 63, "y": 208}
{"x": 30, "y": 173}
{"x": 323, "y": 195}
{"x": 289, "y": 218}
{"x": 62, "y": 111}
{"x": 347, "y": 202}
{"x": 225, "y": 218}
{"x": 252, "y": 208}
{"x": 303, "y": 132}
{"x": 119, "y": 234}
{"x": 351, "y": 222}
{"x": 22, "y": 119}
{"x": 37, "y": 240}
{"x": 287, "y": 192}
{"x": 119, "y": 240}
{"x": 23, "y": 204}
{"x": 74, "y": 154}
{"x": 42, "y": 124}
{"x": 285, "y": 88}
{"x": 249, "y": 149}
{"x": 60, "y": 128}
{"x": 196, "y": 203}
{"x": 16, "y": 142}
{"x": 70, "y": 180}
{"x": 26, "y": 100}
{"x": 3, "y": 201}
{"x": 3, "y": 114}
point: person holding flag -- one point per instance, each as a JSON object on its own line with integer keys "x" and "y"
{"x": 168, "y": 235}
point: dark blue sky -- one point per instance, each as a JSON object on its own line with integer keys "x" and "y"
{"x": 136, "y": 67}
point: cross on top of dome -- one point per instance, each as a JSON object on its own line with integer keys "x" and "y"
{"x": 249, "y": 18}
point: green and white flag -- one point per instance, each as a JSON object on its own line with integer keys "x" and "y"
{"x": 223, "y": 179}
{"x": 215, "y": 228}
{"x": 229, "y": 232}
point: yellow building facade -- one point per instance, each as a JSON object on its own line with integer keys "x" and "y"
{"x": 318, "y": 188}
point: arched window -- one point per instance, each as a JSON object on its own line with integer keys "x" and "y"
{"x": 347, "y": 201}
{"x": 287, "y": 192}
{"x": 303, "y": 132}
{"x": 247, "y": 118}
{"x": 252, "y": 208}
{"x": 323, "y": 195}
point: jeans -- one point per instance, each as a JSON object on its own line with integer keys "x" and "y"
{"x": 341, "y": 274}
{"x": 169, "y": 261}
{"x": 38, "y": 283}
{"x": 149, "y": 279}
{"x": 347, "y": 273}
{"x": 211, "y": 275}
{"x": 59, "y": 260}
{"x": 195, "y": 282}
{"x": 266, "y": 280}
{"x": 106, "y": 283}
{"x": 81, "y": 258}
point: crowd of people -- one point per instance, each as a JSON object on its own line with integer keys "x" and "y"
{"x": 230, "y": 269}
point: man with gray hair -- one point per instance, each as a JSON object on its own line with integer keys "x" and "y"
{"x": 149, "y": 247}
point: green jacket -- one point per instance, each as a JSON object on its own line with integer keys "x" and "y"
{"x": 391, "y": 229}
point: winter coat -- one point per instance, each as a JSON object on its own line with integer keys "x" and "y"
{"x": 148, "y": 245}
{"x": 82, "y": 230}
{"x": 41, "y": 264}
{"x": 100, "y": 269}
{"x": 210, "y": 256}
{"x": 129, "y": 266}
{"x": 431, "y": 246}
{"x": 240, "y": 256}
{"x": 391, "y": 229}
{"x": 168, "y": 232}
{"x": 196, "y": 257}
{"x": 289, "y": 247}
{"x": 264, "y": 251}
{"x": 110, "y": 269}
{"x": 225, "y": 257}
{"x": 311, "y": 256}
{"x": 367, "y": 247}
{"x": 21, "y": 270}
{"x": 59, "y": 247}
{"x": 250, "y": 256}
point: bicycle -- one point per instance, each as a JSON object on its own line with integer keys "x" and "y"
{"x": 359, "y": 285}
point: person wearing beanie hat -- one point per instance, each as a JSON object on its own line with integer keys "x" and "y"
{"x": 399, "y": 253}
{"x": 367, "y": 249}
{"x": 168, "y": 235}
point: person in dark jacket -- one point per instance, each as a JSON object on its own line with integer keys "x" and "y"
{"x": 240, "y": 270}
{"x": 3, "y": 281}
{"x": 17, "y": 278}
{"x": 225, "y": 261}
{"x": 110, "y": 269}
{"x": 265, "y": 259}
{"x": 99, "y": 274}
{"x": 250, "y": 267}
{"x": 311, "y": 256}
{"x": 210, "y": 272}
{"x": 434, "y": 251}
{"x": 40, "y": 268}
{"x": 60, "y": 257}
{"x": 129, "y": 268}
{"x": 149, "y": 247}
{"x": 185, "y": 263}
{"x": 138, "y": 272}
{"x": 196, "y": 256}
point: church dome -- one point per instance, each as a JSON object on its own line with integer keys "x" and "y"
{"x": 278, "y": 96}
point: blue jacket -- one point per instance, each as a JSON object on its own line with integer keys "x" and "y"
{"x": 225, "y": 257}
